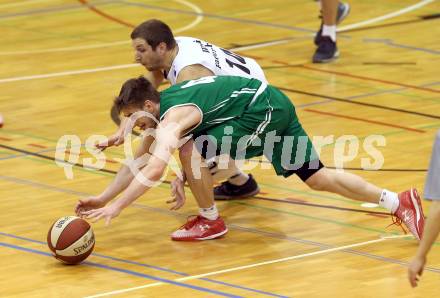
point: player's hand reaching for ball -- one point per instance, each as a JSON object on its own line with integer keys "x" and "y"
{"x": 87, "y": 204}
{"x": 177, "y": 194}
{"x": 107, "y": 213}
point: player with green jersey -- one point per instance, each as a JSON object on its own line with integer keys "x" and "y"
{"x": 248, "y": 109}
{"x": 243, "y": 118}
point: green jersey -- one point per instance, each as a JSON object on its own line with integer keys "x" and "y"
{"x": 219, "y": 98}
{"x": 243, "y": 118}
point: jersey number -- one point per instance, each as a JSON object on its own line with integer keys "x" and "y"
{"x": 238, "y": 58}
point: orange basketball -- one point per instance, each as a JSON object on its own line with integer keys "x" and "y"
{"x": 71, "y": 239}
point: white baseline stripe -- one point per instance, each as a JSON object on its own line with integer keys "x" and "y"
{"x": 319, "y": 252}
{"x": 385, "y": 17}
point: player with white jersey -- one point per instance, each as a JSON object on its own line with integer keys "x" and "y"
{"x": 220, "y": 61}
{"x": 185, "y": 58}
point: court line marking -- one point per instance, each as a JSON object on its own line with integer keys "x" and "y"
{"x": 68, "y": 73}
{"x": 174, "y": 214}
{"x": 191, "y": 25}
{"x": 71, "y": 72}
{"x": 365, "y": 120}
{"x": 319, "y": 252}
{"x": 48, "y": 10}
{"x": 99, "y": 12}
{"x": 23, "y": 3}
{"x": 126, "y": 271}
{"x": 200, "y": 13}
{"x": 385, "y": 17}
{"x": 149, "y": 266}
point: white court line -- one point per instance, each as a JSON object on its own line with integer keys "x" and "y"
{"x": 191, "y": 25}
{"x": 67, "y": 49}
{"x": 261, "y": 45}
{"x": 23, "y": 3}
{"x": 385, "y": 17}
{"x": 422, "y": 3}
{"x": 69, "y": 73}
{"x": 319, "y": 252}
{"x": 199, "y": 18}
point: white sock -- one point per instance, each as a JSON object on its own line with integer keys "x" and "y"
{"x": 239, "y": 178}
{"x": 210, "y": 213}
{"x": 389, "y": 200}
{"x": 329, "y": 31}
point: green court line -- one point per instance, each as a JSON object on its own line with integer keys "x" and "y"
{"x": 94, "y": 172}
{"x": 12, "y": 132}
{"x": 437, "y": 243}
{"x": 358, "y": 85}
{"x": 310, "y": 194}
{"x": 311, "y": 217}
{"x": 246, "y": 204}
{"x": 36, "y": 159}
{"x": 333, "y": 197}
{"x": 307, "y": 193}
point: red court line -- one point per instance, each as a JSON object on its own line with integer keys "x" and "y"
{"x": 5, "y": 139}
{"x": 345, "y": 74}
{"x": 37, "y": 145}
{"x": 366, "y": 120}
{"x": 103, "y": 14}
{"x": 368, "y": 78}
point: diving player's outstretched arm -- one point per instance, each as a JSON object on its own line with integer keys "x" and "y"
{"x": 176, "y": 123}
{"x": 120, "y": 182}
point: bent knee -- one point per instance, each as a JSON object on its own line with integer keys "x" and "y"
{"x": 185, "y": 151}
{"x": 319, "y": 181}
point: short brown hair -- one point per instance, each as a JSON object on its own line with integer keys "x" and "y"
{"x": 154, "y": 32}
{"x": 135, "y": 92}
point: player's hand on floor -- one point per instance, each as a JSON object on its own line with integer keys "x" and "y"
{"x": 87, "y": 204}
{"x": 177, "y": 194}
{"x": 415, "y": 270}
{"x": 107, "y": 213}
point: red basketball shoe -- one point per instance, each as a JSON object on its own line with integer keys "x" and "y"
{"x": 410, "y": 212}
{"x": 200, "y": 228}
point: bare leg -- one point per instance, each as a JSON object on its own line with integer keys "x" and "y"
{"x": 329, "y": 11}
{"x": 344, "y": 184}
{"x": 201, "y": 188}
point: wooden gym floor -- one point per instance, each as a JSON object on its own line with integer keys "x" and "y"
{"x": 62, "y": 62}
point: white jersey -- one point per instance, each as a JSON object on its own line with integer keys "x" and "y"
{"x": 220, "y": 61}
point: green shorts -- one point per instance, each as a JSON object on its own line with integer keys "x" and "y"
{"x": 268, "y": 127}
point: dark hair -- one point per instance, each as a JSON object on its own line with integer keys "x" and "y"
{"x": 135, "y": 92}
{"x": 154, "y": 32}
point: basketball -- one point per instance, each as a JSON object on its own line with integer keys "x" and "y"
{"x": 71, "y": 239}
